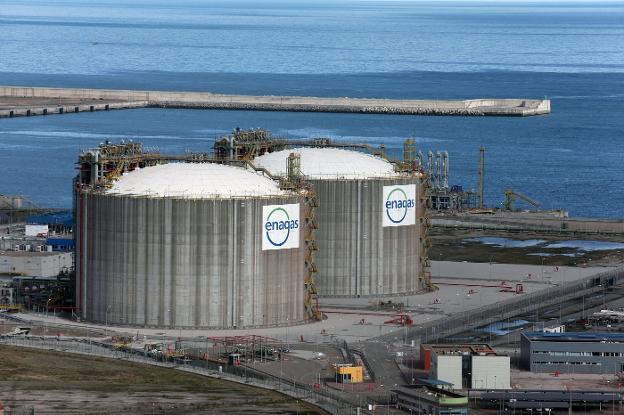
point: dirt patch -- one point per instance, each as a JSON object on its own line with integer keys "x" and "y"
{"x": 8, "y": 326}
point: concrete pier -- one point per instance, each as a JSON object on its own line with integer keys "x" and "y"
{"x": 28, "y": 101}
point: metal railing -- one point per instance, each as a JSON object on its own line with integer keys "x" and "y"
{"x": 521, "y": 304}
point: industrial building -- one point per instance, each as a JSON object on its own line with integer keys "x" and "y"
{"x": 572, "y": 352}
{"x": 6, "y": 295}
{"x": 33, "y": 263}
{"x": 475, "y": 366}
{"x": 178, "y": 241}
{"x": 431, "y": 401}
{"x": 347, "y": 373}
{"x": 426, "y": 350}
{"x": 557, "y": 401}
{"x": 44, "y": 293}
{"x": 371, "y": 219}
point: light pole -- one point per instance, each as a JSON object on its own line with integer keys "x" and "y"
{"x": 163, "y": 346}
{"x": 48, "y": 306}
{"x": 108, "y": 308}
{"x": 206, "y": 355}
{"x": 404, "y": 332}
{"x": 281, "y": 357}
{"x": 613, "y": 403}
{"x": 412, "y": 363}
{"x": 440, "y": 266}
{"x": 281, "y": 304}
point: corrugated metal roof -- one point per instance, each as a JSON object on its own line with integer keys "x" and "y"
{"x": 552, "y": 395}
{"x": 195, "y": 181}
{"x": 574, "y": 336}
{"x": 329, "y": 163}
{"x": 431, "y": 381}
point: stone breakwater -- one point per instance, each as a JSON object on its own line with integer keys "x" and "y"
{"x": 28, "y": 101}
{"x": 337, "y": 109}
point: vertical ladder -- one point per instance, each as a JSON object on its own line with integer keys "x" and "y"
{"x": 425, "y": 241}
{"x": 311, "y": 297}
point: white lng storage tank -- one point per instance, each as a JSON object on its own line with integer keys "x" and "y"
{"x": 370, "y": 221}
{"x": 194, "y": 245}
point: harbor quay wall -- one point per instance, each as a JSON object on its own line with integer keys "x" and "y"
{"x": 207, "y": 100}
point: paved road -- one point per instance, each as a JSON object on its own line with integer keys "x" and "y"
{"x": 381, "y": 351}
{"x": 380, "y": 356}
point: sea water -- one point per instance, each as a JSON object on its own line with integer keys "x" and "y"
{"x": 571, "y": 53}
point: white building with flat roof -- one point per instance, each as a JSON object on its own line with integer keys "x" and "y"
{"x": 465, "y": 366}
{"x": 448, "y": 368}
{"x": 34, "y": 264}
{"x": 490, "y": 372}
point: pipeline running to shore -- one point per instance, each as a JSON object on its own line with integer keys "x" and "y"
{"x": 18, "y": 101}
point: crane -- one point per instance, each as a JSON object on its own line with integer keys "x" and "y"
{"x": 511, "y": 196}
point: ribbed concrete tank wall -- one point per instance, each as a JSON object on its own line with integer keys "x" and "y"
{"x": 193, "y": 260}
{"x": 357, "y": 255}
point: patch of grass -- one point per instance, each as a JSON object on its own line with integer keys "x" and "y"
{"x": 450, "y": 245}
{"x": 43, "y": 366}
{"x": 32, "y": 370}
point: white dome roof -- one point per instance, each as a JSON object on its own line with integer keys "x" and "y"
{"x": 195, "y": 181}
{"x": 329, "y": 163}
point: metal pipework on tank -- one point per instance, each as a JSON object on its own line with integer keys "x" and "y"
{"x": 445, "y": 174}
{"x": 438, "y": 160}
{"x": 95, "y": 166}
{"x": 430, "y": 164}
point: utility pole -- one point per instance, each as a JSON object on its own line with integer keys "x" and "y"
{"x": 481, "y": 175}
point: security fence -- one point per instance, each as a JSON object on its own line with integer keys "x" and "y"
{"x": 327, "y": 399}
{"x": 519, "y": 305}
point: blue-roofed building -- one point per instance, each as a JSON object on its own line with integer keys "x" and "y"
{"x": 572, "y": 352}
{"x": 61, "y": 244}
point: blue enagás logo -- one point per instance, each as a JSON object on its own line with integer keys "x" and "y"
{"x": 278, "y": 226}
{"x": 397, "y": 205}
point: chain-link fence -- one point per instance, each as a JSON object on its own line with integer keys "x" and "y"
{"x": 520, "y": 305}
{"x": 327, "y": 399}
